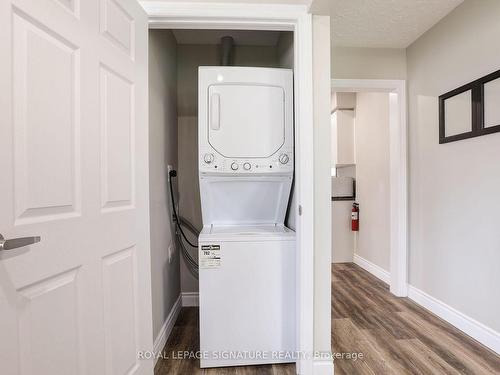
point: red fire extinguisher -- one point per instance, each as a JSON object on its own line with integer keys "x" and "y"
{"x": 355, "y": 217}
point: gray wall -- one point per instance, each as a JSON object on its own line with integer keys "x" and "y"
{"x": 189, "y": 58}
{"x": 372, "y": 177}
{"x": 454, "y": 188}
{"x": 285, "y": 50}
{"x": 162, "y": 151}
{"x": 368, "y": 63}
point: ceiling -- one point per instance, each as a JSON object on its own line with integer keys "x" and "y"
{"x": 382, "y": 23}
{"x": 354, "y": 23}
{"x": 295, "y": 2}
{"x": 241, "y": 37}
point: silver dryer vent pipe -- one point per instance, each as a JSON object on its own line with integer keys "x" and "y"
{"x": 226, "y": 43}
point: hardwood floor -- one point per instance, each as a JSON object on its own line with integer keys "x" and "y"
{"x": 396, "y": 335}
{"x": 185, "y": 336}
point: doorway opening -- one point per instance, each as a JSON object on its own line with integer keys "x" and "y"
{"x": 175, "y": 58}
{"x": 369, "y": 200}
{"x": 382, "y": 177}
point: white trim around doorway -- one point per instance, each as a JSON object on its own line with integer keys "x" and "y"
{"x": 398, "y": 171}
{"x": 179, "y": 15}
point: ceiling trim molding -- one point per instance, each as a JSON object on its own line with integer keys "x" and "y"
{"x": 236, "y": 16}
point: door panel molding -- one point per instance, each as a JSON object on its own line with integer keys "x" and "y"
{"x": 46, "y": 89}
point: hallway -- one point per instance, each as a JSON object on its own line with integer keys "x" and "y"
{"x": 395, "y": 335}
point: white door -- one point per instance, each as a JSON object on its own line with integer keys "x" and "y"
{"x": 74, "y": 171}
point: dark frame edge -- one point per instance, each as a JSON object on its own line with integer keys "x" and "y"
{"x": 477, "y": 102}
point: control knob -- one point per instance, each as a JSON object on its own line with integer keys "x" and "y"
{"x": 234, "y": 166}
{"x": 284, "y": 158}
{"x": 247, "y": 166}
{"x": 208, "y": 158}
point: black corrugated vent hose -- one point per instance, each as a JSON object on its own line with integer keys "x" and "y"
{"x": 172, "y": 174}
{"x": 226, "y": 44}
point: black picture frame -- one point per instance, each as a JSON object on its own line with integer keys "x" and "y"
{"x": 477, "y": 105}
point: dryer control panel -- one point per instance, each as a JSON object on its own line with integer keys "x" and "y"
{"x": 212, "y": 162}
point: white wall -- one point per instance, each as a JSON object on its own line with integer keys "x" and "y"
{"x": 162, "y": 151}
{"x": 342, "y": 235}
{"x": 368, "y": 63}
{"x": 322, "y": 186}
{"x": 342, "y": 137}
{"x": 189, "y": 58}
{"x": 372, "y": 177}
{"x": 454, "y": 187}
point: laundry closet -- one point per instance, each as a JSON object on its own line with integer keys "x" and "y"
{"x": 222, "y": 136}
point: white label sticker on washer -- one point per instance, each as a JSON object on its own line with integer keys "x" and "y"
{"x": 210, "y": 256}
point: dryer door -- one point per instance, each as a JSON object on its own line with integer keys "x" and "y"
{"x": 245, "y": 120}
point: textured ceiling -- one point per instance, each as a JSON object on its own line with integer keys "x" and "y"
{"x": 383, "y": 23}
{"x": 293, "y": 2}
{"x": 241, "y": 37}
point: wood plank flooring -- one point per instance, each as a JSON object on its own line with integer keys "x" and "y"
{"x": 396, "y": 335}
{"x": 185, "y": 336}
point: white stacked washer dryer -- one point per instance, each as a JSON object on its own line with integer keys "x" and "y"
{"x": 246, "y": 254}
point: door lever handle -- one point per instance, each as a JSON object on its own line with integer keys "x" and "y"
{"x": 14, "y": 243}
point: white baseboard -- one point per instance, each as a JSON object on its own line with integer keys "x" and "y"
{"x": 485, "y": 335}
{"x": 375, "y": 270}
{"x": 166, "y": 328}
{"x": 190, "y": 299}
{"x": 323, "y": 367}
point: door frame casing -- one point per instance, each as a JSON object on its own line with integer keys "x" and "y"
{"x": 398, "y": 159}
{"x": 280, "y": 17}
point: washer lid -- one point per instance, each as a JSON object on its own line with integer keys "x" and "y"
{"x": 246, "y": 120}
{"x": 244, "y": 200}
{"x": 249, "y": 229}
{"x": 271, "y": 232}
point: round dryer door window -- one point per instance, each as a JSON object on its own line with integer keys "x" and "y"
{"x": 246, "y": 121}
